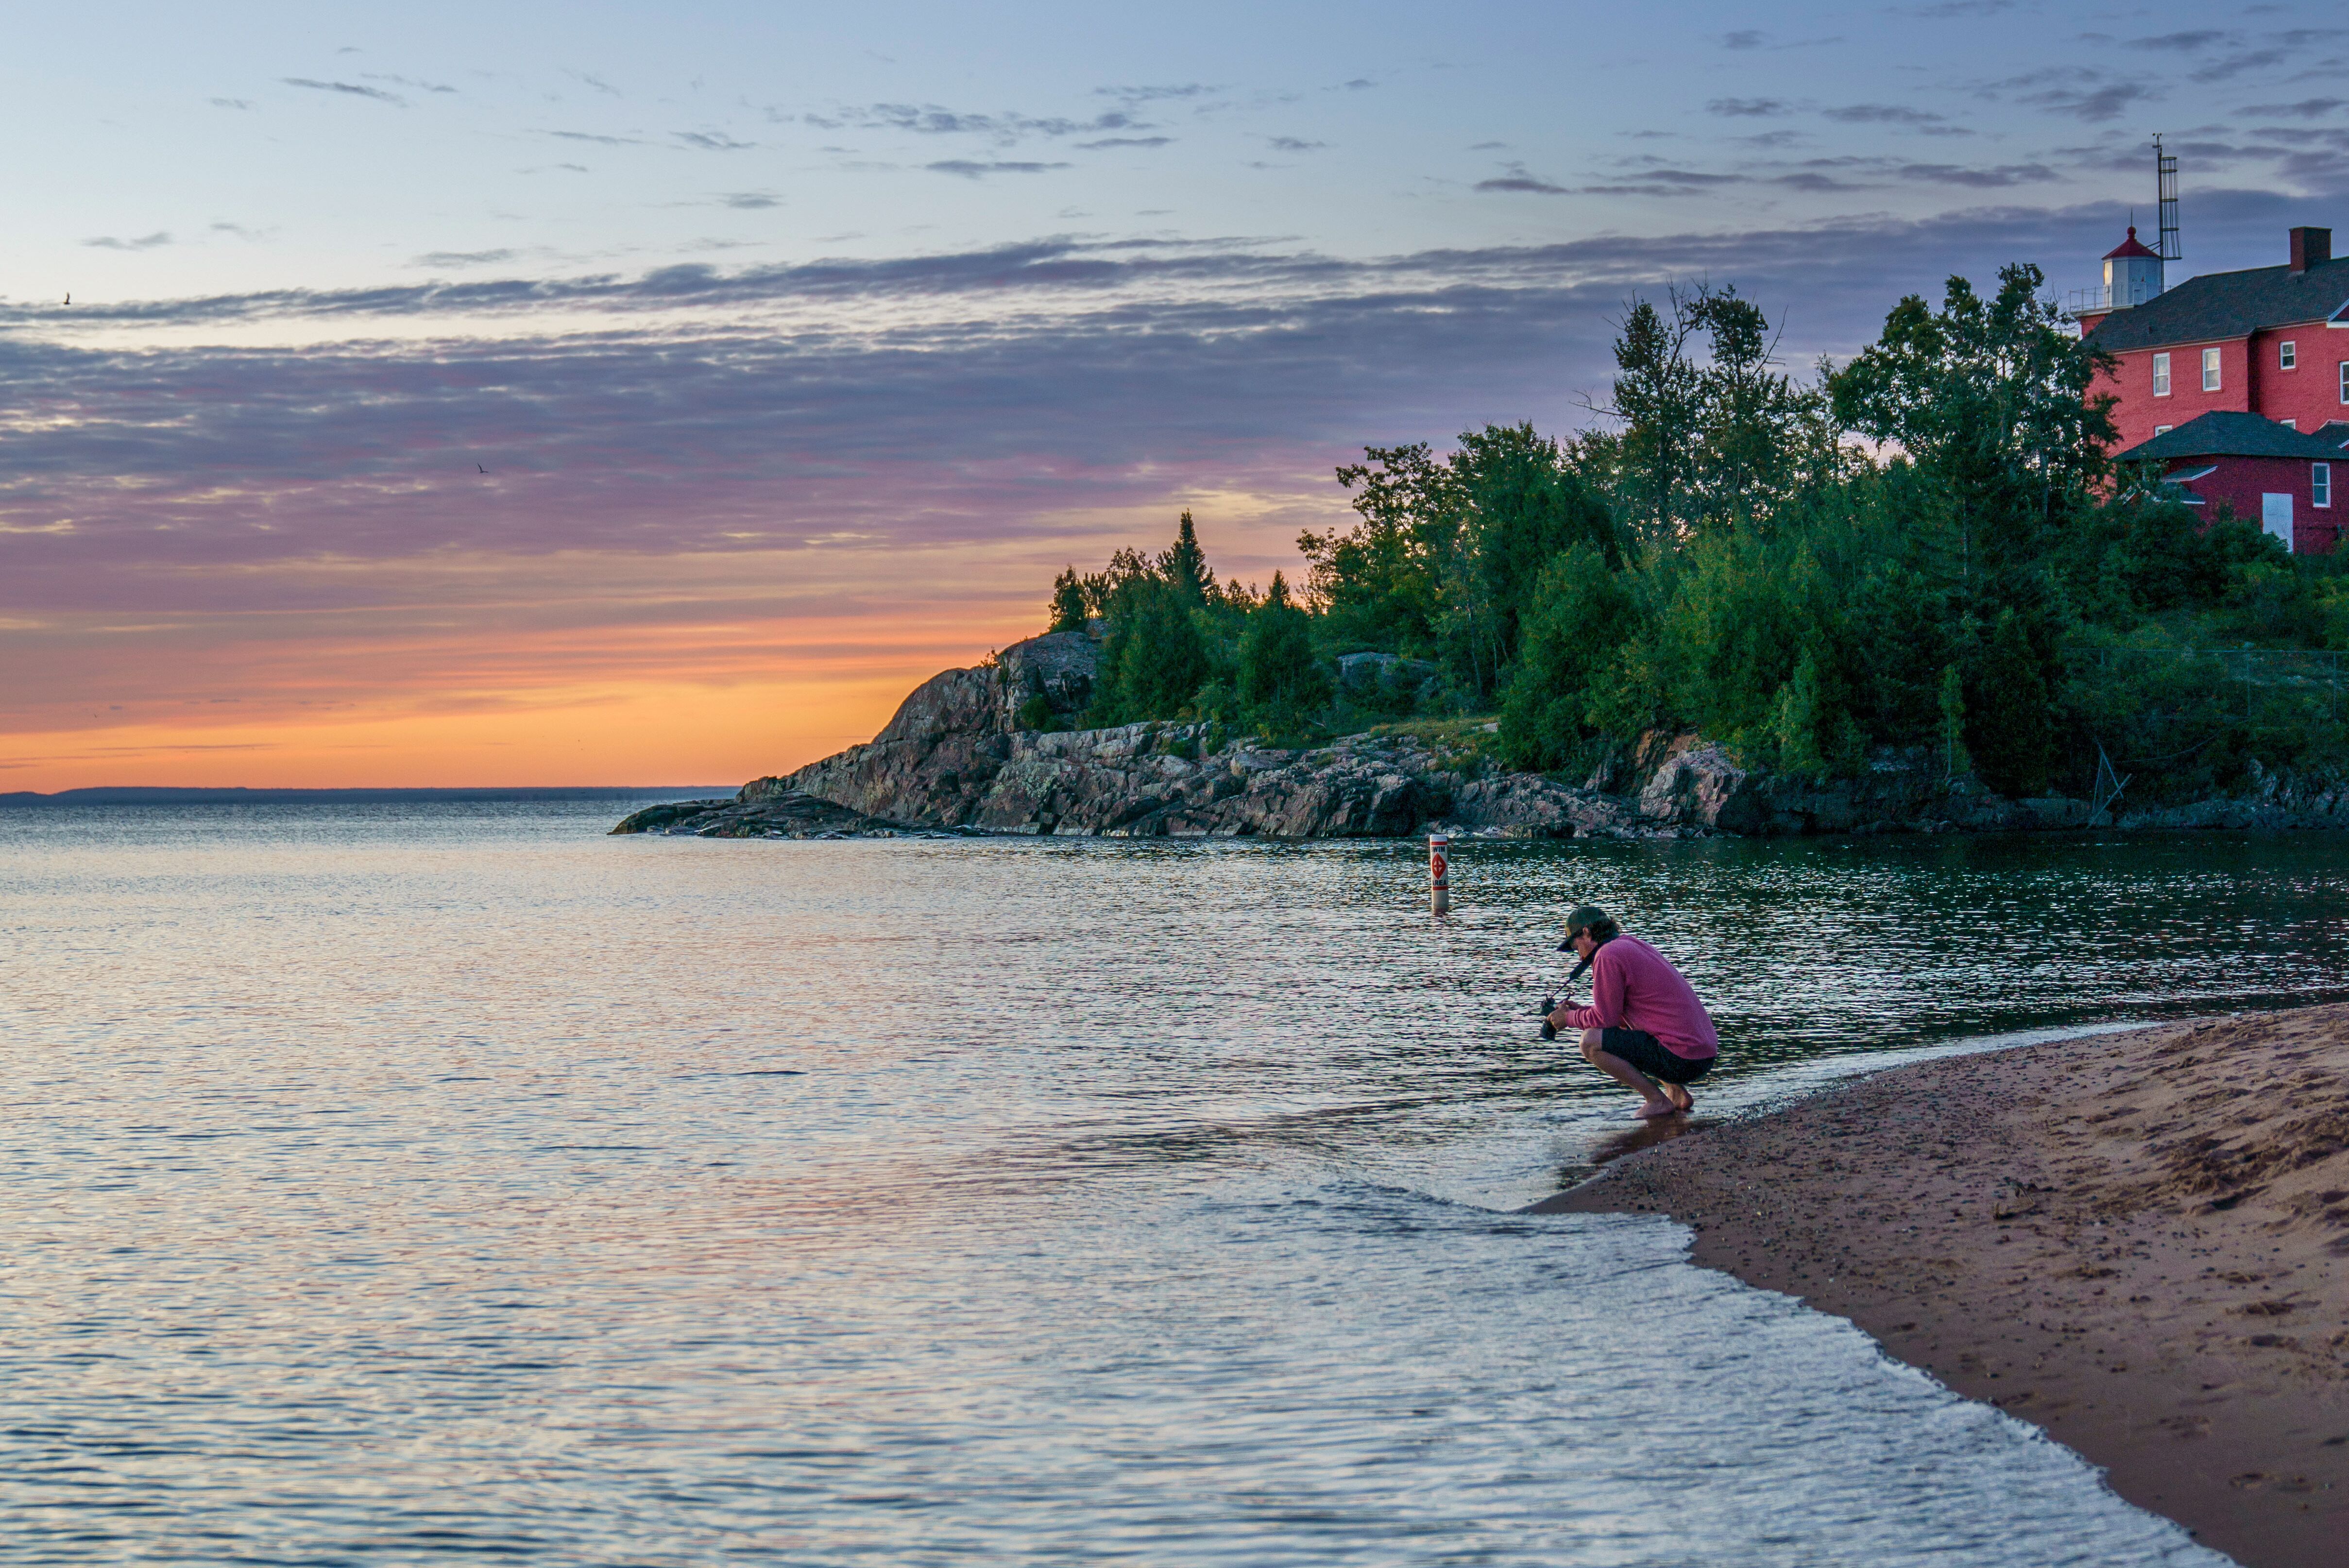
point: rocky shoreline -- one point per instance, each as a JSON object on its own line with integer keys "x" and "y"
{"x": 977, "y": 751}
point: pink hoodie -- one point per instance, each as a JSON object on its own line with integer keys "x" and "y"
{"x": 1633, "y": 986}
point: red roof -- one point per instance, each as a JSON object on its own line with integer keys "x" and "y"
{"x": 2130, "y": 247}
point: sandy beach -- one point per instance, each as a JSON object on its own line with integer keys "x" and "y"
{"x": 2138, "y": 1242}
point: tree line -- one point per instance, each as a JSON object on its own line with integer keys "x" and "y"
{"x": 1928, "y": 546}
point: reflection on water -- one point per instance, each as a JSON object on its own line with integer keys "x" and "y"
{"x": 393, "y": 1183}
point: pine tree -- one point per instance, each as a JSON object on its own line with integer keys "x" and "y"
{"x": 1184, "y": 566}
{"x": 1068, "y": 602}
{"x": 1281, "y": 681}
{"x": 2008, "y": 727}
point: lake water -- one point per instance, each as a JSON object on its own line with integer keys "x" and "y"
{"x": 394, "y": 1184}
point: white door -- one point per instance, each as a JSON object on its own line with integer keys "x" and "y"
{"x": 2275, "y": 516}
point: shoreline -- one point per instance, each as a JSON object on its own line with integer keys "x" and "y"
{"x": 2137, "y": 1241}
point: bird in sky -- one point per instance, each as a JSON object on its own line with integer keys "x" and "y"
{"x": 479, "y": 469}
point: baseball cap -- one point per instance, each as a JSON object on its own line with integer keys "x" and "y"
{"x": 1583, "y": 915}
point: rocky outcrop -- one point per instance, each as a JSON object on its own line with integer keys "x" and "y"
{"x": 785, "y": 815}
{"x": 984, "y": 750}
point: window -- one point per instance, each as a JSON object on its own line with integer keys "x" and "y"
{"x": 2288, "y": 356}
{"x": 2210, "y": 370}
{"x": 2163, "y": 430}
{"x": 2344, "y": 380}
{"x": 2161, "y": 377}
{"x": 2288, "y": 425}
{"x": 2320, "y": 484}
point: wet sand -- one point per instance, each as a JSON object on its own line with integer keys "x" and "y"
{"x": 2139, "y": 1241}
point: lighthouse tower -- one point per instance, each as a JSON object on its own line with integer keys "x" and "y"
{"x": 2132, "y": 273}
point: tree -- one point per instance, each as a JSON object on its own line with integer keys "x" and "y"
{"x": 1583, "y": 620}
{"x": 1989, "y": 398}
{"x": 1184, "y": 565}
{"x": 1155, "y": 660}
{"x": 1280, "y": 680}
{"x": 2008, "y": 726}
{"x": 1068, "y": 604}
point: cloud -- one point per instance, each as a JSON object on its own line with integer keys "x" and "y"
{"x": 407, "y": 82}
{"x": 1358, "y": 84}
{"x": 599, "y": 140}
{"x": 749, "y": 201}
{"x": 1892, "y": 114}
{"x": 350, "y": 89}
{"x": 1745, "y": 107}
{"x": 463, "y": 258}
{"x": 967, "y": 169}
{"x": 143, "y": 243}
{"x": 2197, "y": 38}
{"x": 232, "y": 103}
{"x": 1108, "y": 142}
{"x": 712, "y": 141}
{"x": 1518, "y": 180}
{"x": 597, "y": 82}
{"x": 1743, "y": 38}
{"x": 1947, "y": 10}
{"x": 928, "y": 119}
{"x": 2005, "y": 174}
{"x": 1133, "y": 95}
{"x": 1294, "y": 144}
{"x": 2081, "y": 93}
{"x": 2306, "y": 109}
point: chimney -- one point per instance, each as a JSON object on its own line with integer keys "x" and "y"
{"x": 2310, "y": 247}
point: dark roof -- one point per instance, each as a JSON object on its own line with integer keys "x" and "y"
{"x": 2236, "y": 435}
{"x": 2221, "y": 305}
{"x": 2131, "y": 246}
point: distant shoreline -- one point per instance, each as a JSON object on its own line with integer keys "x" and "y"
{"x": 2138, "y": 1242}
{"x": 146, "y": 795}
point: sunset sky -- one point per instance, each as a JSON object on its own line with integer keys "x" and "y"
{"x": 521, "y": 394}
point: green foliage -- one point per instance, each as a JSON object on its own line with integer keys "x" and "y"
{"x": 1155, "y": 659}
{"x": 2010, "y": 729}
{"x": 1036, "y": 713}
{"x": 1584, "y": 621}
{"x": 1068, "y": 607}
{"x": 1281, "y": 681}
{"x": 1724, "y": 560}
{"x": 1955, "y": 758}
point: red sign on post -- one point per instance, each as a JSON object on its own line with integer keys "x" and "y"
{"x": 1439, "y": 872}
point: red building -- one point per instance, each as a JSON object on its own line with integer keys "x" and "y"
{"x": 2271, "y": 342}
{"x": 2259, "y": 469}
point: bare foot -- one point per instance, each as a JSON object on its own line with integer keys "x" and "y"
{"x": 1680, "y": 1098}
{"x": 1651, "y": 1109}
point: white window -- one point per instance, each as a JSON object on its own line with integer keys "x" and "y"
{"x": 2161, "y": 377}
{"x": 2210, "y": 370}
{"x": 2344, "y": 380}
{"x": 2320, "y": 484}
{"x": 2163, "y": 430}
{"x": 2288, "y": 425}
{"x": 2288, "y": 356}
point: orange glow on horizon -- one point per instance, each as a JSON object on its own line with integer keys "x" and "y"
{"x": 581, "y": 670}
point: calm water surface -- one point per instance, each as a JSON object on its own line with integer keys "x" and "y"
{"x": 396, "y": 1184}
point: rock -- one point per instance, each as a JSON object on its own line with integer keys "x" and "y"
{"x": 1702, "y": 786}
{"x": 956, "y": 757}
{"x": 773, "y": 814}
{"x": 1527, "y": 806}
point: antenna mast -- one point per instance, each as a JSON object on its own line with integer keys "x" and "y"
{"x": 2165, "y": 184}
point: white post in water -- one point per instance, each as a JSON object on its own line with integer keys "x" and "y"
{"x": 1439, "y": 872}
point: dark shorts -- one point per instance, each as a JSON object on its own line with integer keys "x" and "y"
{"x": 1652, "y": 1056}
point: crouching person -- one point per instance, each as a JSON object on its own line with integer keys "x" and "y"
{"x": 1644, "y": 1027}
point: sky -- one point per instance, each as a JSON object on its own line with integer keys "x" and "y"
{"x": 534, "y": 394}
